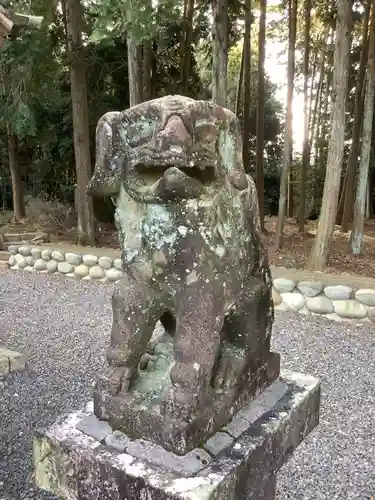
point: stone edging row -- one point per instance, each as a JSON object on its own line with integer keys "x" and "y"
{"x": 335, "y": 302}
{"x": 77, "y": 265}
{"x": 338, "y": 302}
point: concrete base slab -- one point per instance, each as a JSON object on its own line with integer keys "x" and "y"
{"x": 11, "y": 361}
{"x": 239, "y": 463}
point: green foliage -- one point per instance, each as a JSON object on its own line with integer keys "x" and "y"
{"x": 35, "y": 101}
{"x": 139, "y": 17}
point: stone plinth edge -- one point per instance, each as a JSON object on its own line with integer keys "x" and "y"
{"x": 79, "y": 456}
{"x": 11, "y": 361}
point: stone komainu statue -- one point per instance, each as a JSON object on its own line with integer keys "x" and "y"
{"x": 187, "y": 216}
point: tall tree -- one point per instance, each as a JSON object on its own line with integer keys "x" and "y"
{"x": 260, "y": 111}
{"x": 219, "y": 51}
{"x": 147, "y": 71}
{"x": 322, "y": 127}
{"x": 288, "y": 137}
{"x": 306, "y": 142}
{"x": 363, "y": 174}
{"x": 315, "y": 116}
{"x": 319, "y": 253}
{"x": 347, "y": 196}
{"x": 134, "y": 59}
{"x": 74, "y": 22}
{"x": 19, "y": 211}
{"x": 186, "y": 39}
{"x": 239, "y": 94}
{"x": 246, "y": 86}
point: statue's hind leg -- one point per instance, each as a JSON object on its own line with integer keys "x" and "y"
{"x": 247, "y": 333}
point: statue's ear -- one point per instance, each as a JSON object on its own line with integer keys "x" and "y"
{"x": 107, "y": 176}
{"x": 230, "y": 148}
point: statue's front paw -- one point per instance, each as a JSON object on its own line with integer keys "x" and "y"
{"x": 117, "y": 381}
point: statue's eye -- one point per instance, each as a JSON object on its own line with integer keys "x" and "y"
{"x": 137, "y": 134}
{"x": 206, "y": 132}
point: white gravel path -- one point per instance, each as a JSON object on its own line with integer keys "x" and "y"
{"x": 63, "y": 326}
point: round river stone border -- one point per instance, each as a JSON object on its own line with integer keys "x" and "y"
{"x": 335, "y": 302}
{"x": 81, "y": 266}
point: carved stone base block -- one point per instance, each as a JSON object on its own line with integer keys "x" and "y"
{"x": 80, "y": 457}
{"x": 141, "y": 419}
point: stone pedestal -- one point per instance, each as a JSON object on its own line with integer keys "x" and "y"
{"x": 80, "y": 457}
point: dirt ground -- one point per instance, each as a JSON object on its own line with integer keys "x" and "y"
{"x": 296, "y": 249}
{"x": 294, "y": 254}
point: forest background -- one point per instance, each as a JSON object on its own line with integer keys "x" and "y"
{"x": 300, "y": 75}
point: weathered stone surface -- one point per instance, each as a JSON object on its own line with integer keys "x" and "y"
{"x": 276, "y": 297}
{"x": 13, "y": 237}
{"x": 113, "y": 274}
{"x": 70, "y": 464}
{"x": 12, "y": 260}
{"x": 33, "y": 235}
{"x": 21, "y": 261}
{"x": 65, "y": 267}
{"x": 293, "y": 300}
{"x": 46, "y": 254}
{"x": 13, "y": 249}
{"x": 188, "y": 221}
{"x": 320, "y": 305}
{"x": 305, "y": 311}
{"x": 117, "y": 440}
{"x": 36, "y": 253}
{"x": 16, "y": 360}
{"x": 90, "y": 260}
{"x": 350, "y": 309}
{"x": 185, "y": 466}
{"x": 81, "y": 271}
{"x": 218, "y": 443}
{"x": 284, "y": 285}
{"x": 58, "y": 256}
{"x": 73, "y": 258}
{"x": 118, "y": 264}
{"x": 105, "y": 262}
{"x": 96, "y": 273}
{"x": 334, "y": 317}
{"x": 371, "y": 313}
{"x": 4, "y": 366}
{"x": 24, "y": 250}
{"x": 366, "y": 296}
{"x": 282, "y": 307}
{"x": 30, "y": 260}
{"x": 92, "y": 426}
{"x": 310, "y": 288}
{"x": 40, "y": 265}
{"x": 237, "y": 426}
{"x": 51, "y": 266}
{"x": 338, "y": 292}
{"x": 270, "y": 396}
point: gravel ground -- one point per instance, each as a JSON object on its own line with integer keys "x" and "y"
{"x": 63, "y": 326}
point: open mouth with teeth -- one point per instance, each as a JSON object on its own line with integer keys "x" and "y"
{"x": 151, "y": 174}
{"x": 173, "y": 180}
